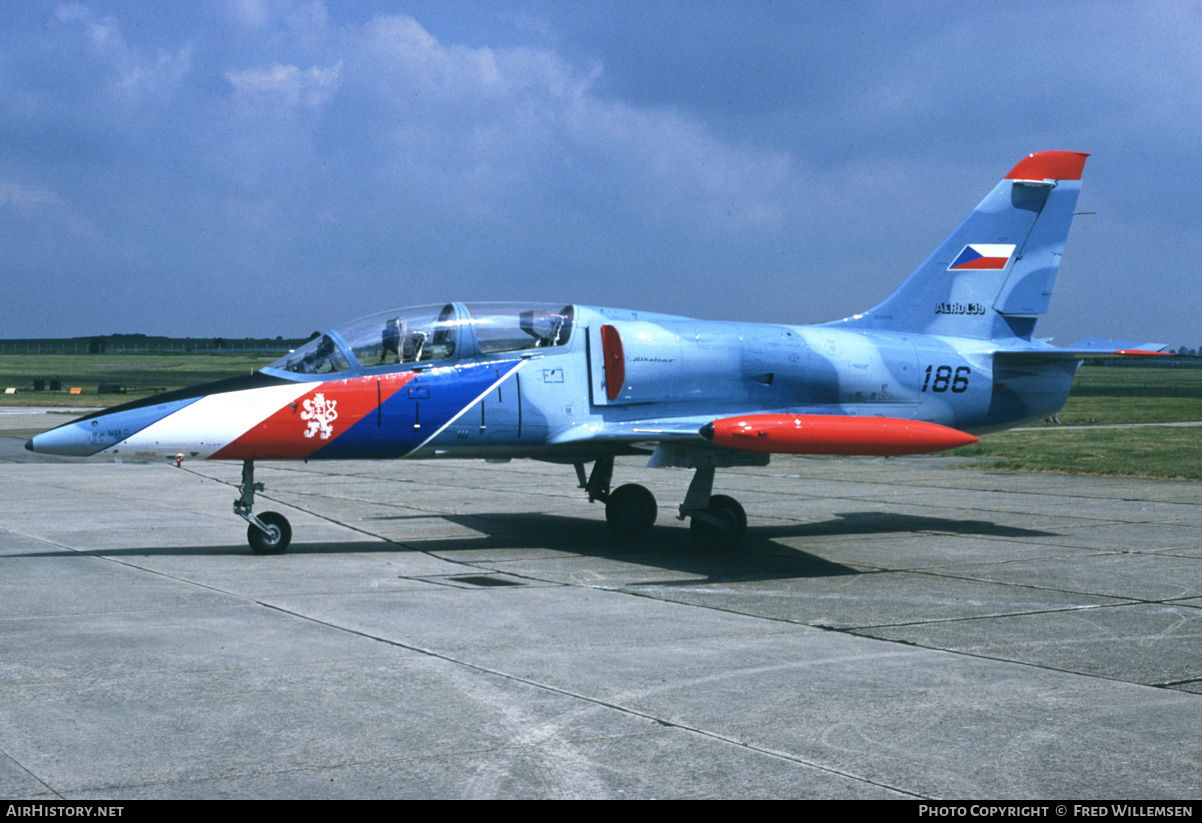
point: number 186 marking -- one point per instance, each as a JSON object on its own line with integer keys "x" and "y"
{"x": 944, "y": 379}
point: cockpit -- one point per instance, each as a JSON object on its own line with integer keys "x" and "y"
{"x": 434, "y": 335}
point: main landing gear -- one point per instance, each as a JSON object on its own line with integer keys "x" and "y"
{"x": 269, "y": 532}
{"x": 630, "y": 510}
{"x": 715, "y": 520}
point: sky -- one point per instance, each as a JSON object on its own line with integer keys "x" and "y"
{"x": 271, "y": 167}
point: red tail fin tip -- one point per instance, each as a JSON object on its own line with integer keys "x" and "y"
{"x": 1050, "y": 165}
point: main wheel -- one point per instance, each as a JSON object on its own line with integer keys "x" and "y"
{"x": 276, "y": 540}
{"x": 630, "y": 510}
{"x": 726, "y": 534}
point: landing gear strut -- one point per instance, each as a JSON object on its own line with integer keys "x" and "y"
{"x": 716, "y": 521}
{"x": 630, "y": 510}
{"x": 269, "y": 532}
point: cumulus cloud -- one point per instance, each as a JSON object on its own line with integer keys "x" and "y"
{"x": 132, "y": 74}
{"x": 25, "y": 198}
{"x": 304, "y": 20}
{"x": 44, "y": 211}
{"x": 483, "y": 119}
{"x": 310, "y": 88}
{"x": 254, "y": 14}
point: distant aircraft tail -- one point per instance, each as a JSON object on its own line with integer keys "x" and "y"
{"x": 994, "y": 274}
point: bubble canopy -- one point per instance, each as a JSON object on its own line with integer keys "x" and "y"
{"x": 437, "y": 334}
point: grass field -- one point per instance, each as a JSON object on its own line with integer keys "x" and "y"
{"x": 1110, "y": 396}
{"x": 1168, "y": 452}
{"x": 140, "y": 374}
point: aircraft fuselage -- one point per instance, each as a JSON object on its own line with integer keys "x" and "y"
{"x": 555, "y": 402}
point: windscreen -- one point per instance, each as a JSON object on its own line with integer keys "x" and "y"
{"x": 319, "y": 356}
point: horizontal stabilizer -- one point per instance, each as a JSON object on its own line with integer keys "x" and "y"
{"x": 832, "y": 434}
{"x": 1088, "y": 348}
{"x": 1130, "y": 348}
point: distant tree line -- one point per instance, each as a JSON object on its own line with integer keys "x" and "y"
{"x": 147, "y": 344}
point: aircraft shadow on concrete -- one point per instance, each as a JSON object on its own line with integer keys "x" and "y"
{"x": 844, "y": 523}
{"x": 658, "y": 550}
{"x": 877, "y": 522}
{"x": 663, "y": 547}
{"x": 760, "y": 557}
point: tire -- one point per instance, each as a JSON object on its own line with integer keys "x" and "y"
{"x": 630, "y": 510}
{"x": 274, "y": 543}
{"x": 726, "y": 536}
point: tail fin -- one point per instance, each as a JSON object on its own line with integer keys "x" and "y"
{"x": 994, "y": 273}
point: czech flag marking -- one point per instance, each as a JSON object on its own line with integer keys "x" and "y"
{"x": 983, "y": 257}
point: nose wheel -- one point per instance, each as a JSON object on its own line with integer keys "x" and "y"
{"x": 272, "y": 540}
{"x": 269, "y": 532}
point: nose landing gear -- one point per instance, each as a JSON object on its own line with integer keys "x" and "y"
{"x": 269, "y": 532}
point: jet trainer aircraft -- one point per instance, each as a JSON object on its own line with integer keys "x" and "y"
{"x": 948, "y": 355}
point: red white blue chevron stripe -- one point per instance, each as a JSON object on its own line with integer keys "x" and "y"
{"x": 381, "y": 416}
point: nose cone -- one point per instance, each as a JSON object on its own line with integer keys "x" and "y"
{"x": 71, "y": 439}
